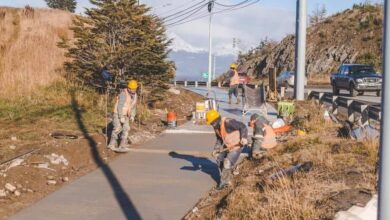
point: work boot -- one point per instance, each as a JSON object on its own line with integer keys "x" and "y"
{"x": 112, "y": 145}
{"x": 230, "y": 100}
{"x": 225, "y": 179}
{"x": 258, "y": 154}
{"x": 121, "y": 149}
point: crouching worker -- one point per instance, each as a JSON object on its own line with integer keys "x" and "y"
{"x": 124, "y": 111}
{"x": 263, "y": 136}
{"x": 231, "y": 135}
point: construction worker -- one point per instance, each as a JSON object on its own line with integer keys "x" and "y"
{"x": 232, "y": 136}
{"x": 124, "y": 111}
{"x": 234, "y": 82}
{"x": 263, "y": 136}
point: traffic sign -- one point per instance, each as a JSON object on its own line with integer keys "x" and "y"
{"x": 205, "y": 75}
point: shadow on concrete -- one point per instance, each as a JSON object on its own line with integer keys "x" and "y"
{"x": 123, "y": 199}
{"x": 234, "y": 111}
{"x": 198, "y": 163}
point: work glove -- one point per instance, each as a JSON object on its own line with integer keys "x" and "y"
{"x": 244, "y": 141}
{"x": 215, "y": 153}
{"x": 122, "y": 120}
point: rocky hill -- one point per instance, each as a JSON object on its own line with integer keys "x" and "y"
{"x": 354, "y": 35}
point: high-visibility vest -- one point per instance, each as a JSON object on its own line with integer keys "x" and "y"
{"x": 129, "y": 104}
{"x": 235, "y": 80}
{"x": 269, "y": 138}
{"x": 230, "y": 140}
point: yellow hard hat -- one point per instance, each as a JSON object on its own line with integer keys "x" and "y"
{"x": 233, "y": 66}
{"x": 211, "y": 116}
{"x": 133, "y": 85}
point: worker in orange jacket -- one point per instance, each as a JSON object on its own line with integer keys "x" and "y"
{"x": 234, "y": 82}
{"x": 124, "y": 111}
{"x": 263, "y": 138}
{"x": 232, "y": 136}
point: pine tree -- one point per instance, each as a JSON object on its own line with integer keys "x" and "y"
{"x": 122, "y": 37}
{"x": 68, "y": 5}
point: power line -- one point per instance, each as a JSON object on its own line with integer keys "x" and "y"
{"x": 178, "y": 7}
{"x": 187, "y": 14}
{"x": 184, "y": 10}
{"x": 207, "y": 14}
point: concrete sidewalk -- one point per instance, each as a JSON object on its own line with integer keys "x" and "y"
{"x": 162, "y": 179}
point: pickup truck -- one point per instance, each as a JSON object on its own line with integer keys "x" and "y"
{"x": 357, "y": 79}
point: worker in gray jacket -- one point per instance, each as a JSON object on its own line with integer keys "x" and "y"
{"x": 124, "y": 111}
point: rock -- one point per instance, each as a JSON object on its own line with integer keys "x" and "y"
{"x": 50, "y": 177}
{"x": 30, "y": 190}
{"x": 19, "y": 186}
{"x": 65, "y": 179}
{"x": 15, "y": 163}
{"x": 57, "y": 159}
{"x": 17, "y": 193}
{"x": 24, "y": 190}
{"x": 51, "y": 182}
{"x": 13, "y": 138}
{"x": 10, "y": 187}
{"x": 12, "y": 147}
{"x": 3, "y": 193}
{"x": 194, "y": 210}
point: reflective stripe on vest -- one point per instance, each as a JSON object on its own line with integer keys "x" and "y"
{"x": 235, "y": 80}
{"x": 269, "y": 138}
{"x": 230, "y": 140}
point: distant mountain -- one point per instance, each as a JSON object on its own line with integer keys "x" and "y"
{"x": 191, "y": 65}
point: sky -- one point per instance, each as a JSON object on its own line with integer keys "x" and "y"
{"x": 272, "y": 19}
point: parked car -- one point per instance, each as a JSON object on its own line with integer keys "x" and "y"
{"x": 286, "y": 79}
{"x": 357, "y": 79}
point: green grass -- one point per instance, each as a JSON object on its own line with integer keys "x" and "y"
{"x": 54, "y": 104}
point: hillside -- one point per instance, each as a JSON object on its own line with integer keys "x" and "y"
{"x": 354, "y": 35}
{"x": 29, "y": 56}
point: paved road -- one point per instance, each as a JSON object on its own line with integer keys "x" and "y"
{"x": 162, "y": 179}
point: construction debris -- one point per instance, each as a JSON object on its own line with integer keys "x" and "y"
{"x": 12, "y": 147}
{"x": 305, "y": 167}
{"x": 3, "y": 193}
{"x": 65, "y": 179}
{"x": 57, "y": 159}
{"x": 51, "y": 182}
{"x": 17, "y": 193}
{"x": 13, "y": 138}
{"x": 10, "y": 187}
{"x": 15, "y": 163}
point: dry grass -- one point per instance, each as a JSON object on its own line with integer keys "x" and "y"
{"x": 318, "y": 79}
{"x": 343, "y": 171}
{"x": 29, "y": 53}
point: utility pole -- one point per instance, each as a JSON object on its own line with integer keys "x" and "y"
{"x": 384, "y": 148}
{"x": 210, "y": 8}
{"x": 300, "y": 50}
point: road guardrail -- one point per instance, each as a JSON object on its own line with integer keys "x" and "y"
{"x": 366, "y": 110}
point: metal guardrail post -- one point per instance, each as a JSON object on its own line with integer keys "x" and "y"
{"x": 364, "y": 115}
{"x": 196, "y": 83}
{"x": 185, "y": 83}
{"x": 174, "y": 83}
{"x": 256, "y": 86}
{"x": 321, "y": 98}
{"x": 335, "y": 105}
{"x": 351, "y": 116}
{"x": 219, "y": 84}
{"x": 282, "y": 91}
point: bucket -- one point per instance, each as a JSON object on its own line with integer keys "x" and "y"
{"x": 171, "y": 119}
{"x": 200, "y": 107}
